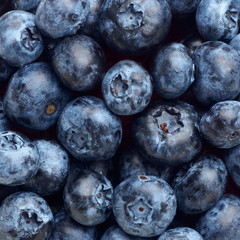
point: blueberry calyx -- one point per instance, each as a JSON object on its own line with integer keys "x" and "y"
{"x": 119, "y": 86}
{"x": 30, "y": 38}
{"x": 103, "y": 195}
{"x": 10, "y": 141}
{"x": 50, "y": 109}
{"x": 232, "y": 17}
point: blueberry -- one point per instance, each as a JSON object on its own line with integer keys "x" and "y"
{"x": 87, "y": 197}
{"x": 79, "y": 62}
{"x": 167, "y": 133}
{"x": 220, "y": 126}
{"x": 25, "y": 215}
{"x": 217, "y": 20}
{"x": 6, "y": 71}
{"x": 53, "y": 169}
{"x": 35, "y": 97}
{"x": 217, "y": 73}
{"x": 222, "y": 221}
{"x": 21, "y": 43}
{"x": 19, "y": 159}
{"x": 88, "y": 130}
{"x": 200, "y": 184}
{"x": 181, "y": 233}
{"x": 60, "y": 18}
{"x": 144, "y": 205}
{"x": 127, "y": 88}
{"x": 26, "y": 5}
{"x": 173, "y": 71}
{"x": 134, "y": 27}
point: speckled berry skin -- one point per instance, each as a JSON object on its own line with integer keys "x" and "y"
{"x": 87, "y": 197}
{"x": 21, "y": 42}
{"x": 53, "y": 169}
{"x": 222, "y": 221}
{"x": 88, "y": 130}
{"x": 6, "y": 71}
{"x": 19, "y": 159}
{"x": 167, "y": 133}
{"x": 65, "y": 228}
{"x": 79, "y": 62}
{"x": 217, "y": 20}
{"x": 35, "y": 97}
{"x": 200, "y": 184}
{"x": 220, "y": 126}
{"x": 181, "y": 233}
{"x": 144, "y": 205}
{"x": 134, "y": 27}
{"x": 26, "y": 5}
{"x": 61, "y": 18}
{"x": 173, "y": 71}
{"x": 217, "y": 73}
{"x": 127, "y": 88}
{"x": 25, "y": 215}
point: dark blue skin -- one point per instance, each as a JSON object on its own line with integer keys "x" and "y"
{"x": 87, "y": 197}
{"x": 53, "y": 169}
{"x": 144, "y": 205}
{"x": 25, "y": 215}
{"x": 61, "y": 18}
{"x": 6, "y": 71}
{"x": 181, "y": 233}
{"x": 4, "y": 122}
{"x": 220, "y": 125}
{"x": 127, "y": 88}
{"x": 26, "y": 5}
{"x": 222, "y": 221}
{"x": 217, "y": 20}
{"x": 35, "y": 97}
{"x": 235, "y": 42}
{"x": 173, "y": 71}
{"x": 167, "y": 133}
{"x": 17, "y": 170}
{"x": 217, "y": 73}
{"x": 65, "y": 228}
{"x": 88, "y": 130}
{"x": 134, "y": 27}
{"x": 192, "y": 42}
{"x": 79, "y": 62}
{"x": 200, "y": 184}
{"x": 21, "y": 43}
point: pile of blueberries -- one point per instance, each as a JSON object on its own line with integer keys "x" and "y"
{"x": 119, "y": 120}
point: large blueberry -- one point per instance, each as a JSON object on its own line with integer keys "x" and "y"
{"x": 79, "y": 62}
{"x": 35, "y": 97}
{"x": 134, "y": 27}
{"x": 168, "y": 133}
{"x": 88, "y": 130}
{"x": 21, "y": 43}
{"x": 127, "y": 88}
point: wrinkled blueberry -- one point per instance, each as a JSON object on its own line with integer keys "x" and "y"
{"x": 173, "y": 71}
{"x": 134, "y": 27}
{"x": 220, "y": 126}
{"x": 21, "y": 43}
{"x": 168, "y": 133}
{"x": 25, "y": 215}
{"x": 26, "y": 5}
{"x": 19, "y": 159}
{"x": 200, "y": 184}
{"x": 144, "y": 205}
{"x": 35, "y": 97}
{"x": 79, "y": 62}
{"x": 222, "y": 221}
{"x": 127, "y": 88}
{"x": 217, "y": 73}
{"x": 60, "y": 18}
{"x": 87, "y": 197}
{"x": 88, "y": 130}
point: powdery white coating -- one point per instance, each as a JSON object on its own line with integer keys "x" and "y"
{"x": 21, "y": 43}
{"x": 222, "y": 221}
{"x": 144, "y": 206}
{"x": 217, "y": 20}
{"x": 220, "y": 126}
{"x": 173, "y": 71}
{"x": 25, "y": 215}
{"x": 60, "y": 18}
{"x": 26, "y": 5}
{"x": 19, "y": 159}
{"x": 181, "y": 233}
{"x": 127, "y": 88}
{"x": 200, "y": 184}
{"x": 53, "y": 169}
